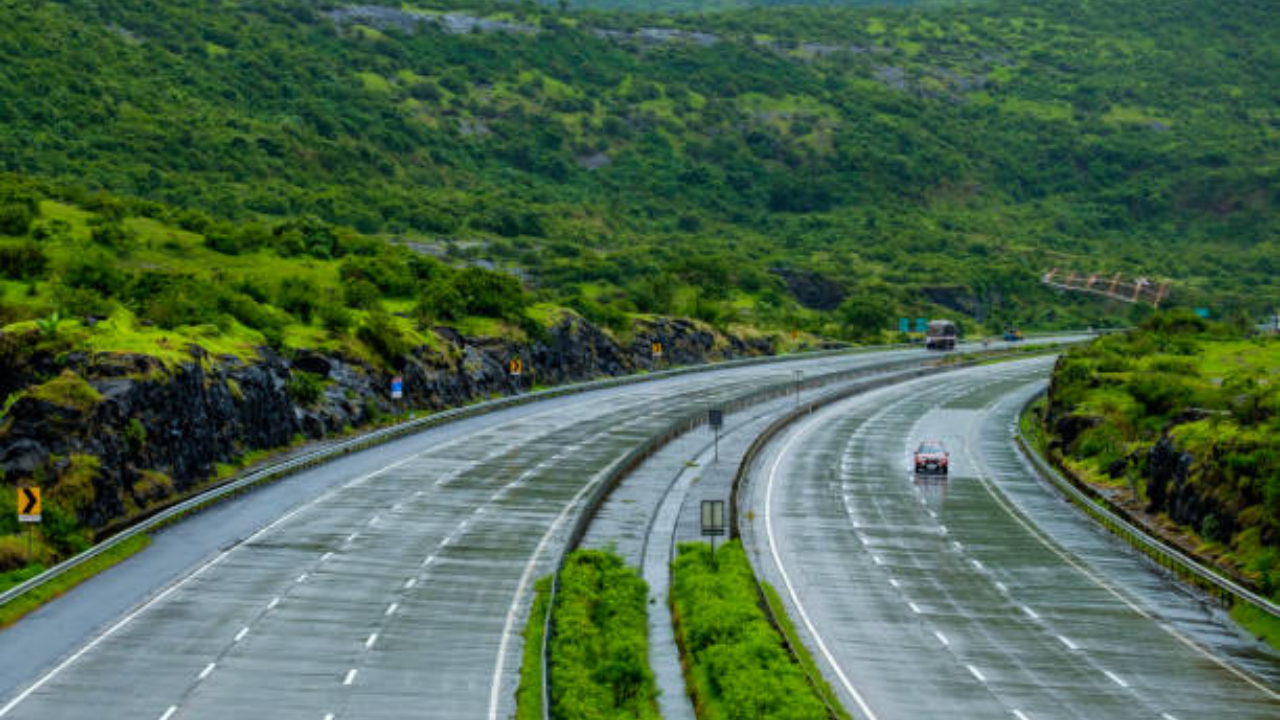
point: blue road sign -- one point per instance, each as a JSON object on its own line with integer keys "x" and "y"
{"x": 397, "y": 388}
{"x": 1202, "y": 312}
{"x": 904, "y": 325}
{"x": 922, "y": 324}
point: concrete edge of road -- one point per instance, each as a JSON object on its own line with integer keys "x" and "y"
{"x": 279, "y": 470}
{"x": 804, "y": 410}
{"x": 1120, "y": 523}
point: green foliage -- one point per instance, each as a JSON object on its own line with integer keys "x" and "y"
{"x": 1211, "y": 393}
{"x": 599, "y": 653}
{"x": 67, "y": 390}
{"x": 735, "y": 662}
{"x": 25, "y": 261}
{"x": 304, "y": 388}
{"x": 381, "y": 334}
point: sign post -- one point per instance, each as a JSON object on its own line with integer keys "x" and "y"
{"x": 922, "y": 325}
{"x": 712, "y": 522}
{"x": 397, "y": 387}
{"x": 656, "y": 348}
{"x": 715, "y": 418}
{"x": 516, "y": 367}
{"x": 29, "y": 512}
{"x": 904, "y": 325}
{"x": 798, "y": 375}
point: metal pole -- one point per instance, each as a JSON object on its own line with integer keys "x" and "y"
{"x": 717, "y": 459}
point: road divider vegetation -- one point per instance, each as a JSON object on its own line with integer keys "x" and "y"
{"x": 599, "y": 657}
{"x": 736, "y": 663}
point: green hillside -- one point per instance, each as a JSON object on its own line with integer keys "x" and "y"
{"x": 822, "y": 168}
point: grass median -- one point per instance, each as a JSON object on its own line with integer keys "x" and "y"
{"x": 599, "y": 653}
{"x": 736, "y": 662}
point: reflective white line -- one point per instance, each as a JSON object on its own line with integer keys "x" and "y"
{"x": 240, "y": 635}
{"x": 372, "y": 639}
{"x": 205, "y": 672}
{"x": 894, "y": 582}
{"x": 351, "y": 676}
{"x": 396, "y": 507}
{"x": 1018, "y": 714}
{"x": 391, "y": 608}
{"x": 302, "y": 577}
{"x": 352, "y": 537}
{"x": 957, "y": 546}
{"x": 941, "y": 638}
{"x": 428, "y": 561}
{"x": 325, "y": 557}
{"x": 169, "y": 713}
{"x": 1116, "y": 678}
{"x": 328, "y": 716}
{"x": 1030, "y": 613}
{"x": 1167, "y": 716}
{"x": 976, "y": 674}
{"x": 408, "y": 584}
{"x": 1000, "y": 586}
{"x": 274, "y": 602}
{"x": 976, "y": 564}
{"x": 373, "y": 520}
{"x": 877, "y": 559}
{"x": 1067, "y": 641}
{"x": 914, "y": 608}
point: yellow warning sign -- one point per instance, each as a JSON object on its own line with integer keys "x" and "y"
{"x": 29, "y": 505}
{"x": 517, "y": 366}
{"x": 657, "y": 348}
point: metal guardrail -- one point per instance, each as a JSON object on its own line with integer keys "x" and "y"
{"x": 377, "y": 437}
{"x": 1112, "y": 517}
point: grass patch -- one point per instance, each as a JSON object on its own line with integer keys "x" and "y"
{"x": 529, "y": 694}
{"x": 12, "y": 611}
{"x": 736, "y": 664}
{"x": 1259, "y": 623}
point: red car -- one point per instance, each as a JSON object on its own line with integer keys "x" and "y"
{"x": 932, "y": 457}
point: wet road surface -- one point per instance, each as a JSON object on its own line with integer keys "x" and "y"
{"x": 981, "y": 595}
{"x": 391, "y": 583}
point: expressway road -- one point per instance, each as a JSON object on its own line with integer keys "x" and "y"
{"x": 982, "y": 595}
{"x": 390, "y": 583}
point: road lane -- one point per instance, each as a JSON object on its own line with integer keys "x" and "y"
{"x": 942, "y": 597}
{"x": 423, "y": 543}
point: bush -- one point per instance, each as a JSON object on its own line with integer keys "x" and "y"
{"x": 304, "y": 388}
{"x": 334, "y": 318}
{"x": 599, "y": 654}
{"x": 16, "y": 218}
{"x": 361, "y": 295}
{"x": 297, "y": 296}
{"x": 380, "y": 334}
{"x": 735, "y": 662}
{"x": 26, "y": 261}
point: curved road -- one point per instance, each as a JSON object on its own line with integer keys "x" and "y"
{"x": 982, "y": 595}
{"x": 388, "y": 583}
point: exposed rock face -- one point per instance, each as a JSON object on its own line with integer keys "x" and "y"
{"x": 811, "y": 289}
{"x": 183, "y": 421}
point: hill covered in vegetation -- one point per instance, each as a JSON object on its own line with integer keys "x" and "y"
{"x": 1181, "y": 420}
{"x": 827, "y": 169}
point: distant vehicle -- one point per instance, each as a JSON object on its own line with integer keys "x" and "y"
{"x": 1013, "y": 335}
{"x": 940, "y": 335}
{"x": 932, "y": 457}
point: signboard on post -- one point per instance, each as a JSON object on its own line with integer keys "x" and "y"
{"x": 904, "y": 325}
{"x": 922, "y": 324}
{"x": 29, "y": 508}
{"x": 517, "y": 367}
{"x": 397, "y": 387}
{"x": 712, "y": 521}
{"x": 656, "y": 347}
{"x": 1202, "y": 312}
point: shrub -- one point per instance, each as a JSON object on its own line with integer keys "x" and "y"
{"x": 380, "y": 334}
{"x": 305, "y": 388}
{"x": 16, "y": 218}
{"x": 361, "y": 295}
{"x": 94, "y": 271}
{"x": 334, "y": 318}
{"x": 297, "y": 296}
{"x": 26, "y": 261}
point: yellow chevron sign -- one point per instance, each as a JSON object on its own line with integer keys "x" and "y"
{"x": 29, "y": 505}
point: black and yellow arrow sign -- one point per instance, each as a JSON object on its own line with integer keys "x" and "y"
{"x": 517, "y": 366}
{"x": 656, "y": 347}
{"x": 29, "y": 504}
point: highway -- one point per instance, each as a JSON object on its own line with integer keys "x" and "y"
{"x": 982, "y": 595}
{"x": 390, "y": 583}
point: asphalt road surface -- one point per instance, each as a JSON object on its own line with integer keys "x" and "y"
{"x": 981, "y": 595}
{"x": 392, "y": 583}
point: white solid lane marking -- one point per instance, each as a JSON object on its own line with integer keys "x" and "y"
{"x": 1116, "y": 678}
{"x": 274, "y": 602}
{"x": 240, "y": 635}
{"x": 786, "y": 579}
{"x": 351, "y": 676}
{"x": 1067, "y": 641}
{"x": 941, "y": 638}
{"x": 169, "y": 713}
{"x": 372, "y": 639}
{"x": 914, "y": 608}
{"x": 207, "y": 669}
{"x": 392, "y": 608}
{"x": 976, "y": 674}
{"x": 1030, "y": 613}
{"x": 408, "y": 584}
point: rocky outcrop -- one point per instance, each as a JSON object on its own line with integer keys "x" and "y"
{"x": 146, "y": 420}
